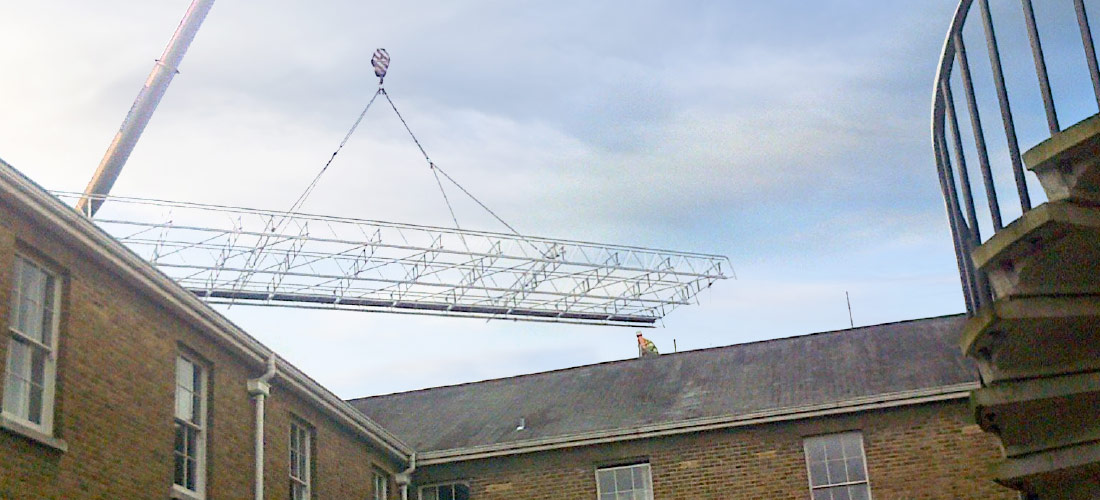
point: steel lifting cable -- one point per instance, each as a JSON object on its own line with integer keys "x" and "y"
{"x": 276, "y": 225}
{"x": 309, "y": 189}
{"x": 380, "y": 62}
{"x": 436, "y": 168}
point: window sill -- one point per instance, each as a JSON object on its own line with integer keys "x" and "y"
{"x": 179, "y": 493}
{"x": 16, "y": 427}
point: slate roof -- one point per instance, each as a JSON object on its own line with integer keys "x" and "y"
{"x": 735, "y": 380}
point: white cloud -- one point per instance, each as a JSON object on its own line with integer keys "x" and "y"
{"x": 792, "y": 137}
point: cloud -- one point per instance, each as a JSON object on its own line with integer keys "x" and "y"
{"x": 790, "y": 136}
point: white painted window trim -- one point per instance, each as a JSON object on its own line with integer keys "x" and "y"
{"x": 49, "y": 376}
{"x": 380, "y": 485}
{"x": 648, "y": 472}
{"x": 21, "y": 428}
{"x": 420, "y": 491}
{"x": 304, "y": 434}
{"x": 862, "y": 455}
{"x": 180, "y": 491}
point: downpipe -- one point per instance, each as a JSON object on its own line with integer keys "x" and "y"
{"x": 259, "y": 389}
{"x": 404, "y": 477}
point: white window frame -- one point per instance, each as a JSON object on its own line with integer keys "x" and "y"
{"x": 380, "y": 485}
{"x": 51, "y": 290}
{"x": 814, "y": 440}
{"x": 302, "y": 456}
{"x": 198, "y": 398}
{"x": 648, "y": 479}
{"x": 452, "y": 484}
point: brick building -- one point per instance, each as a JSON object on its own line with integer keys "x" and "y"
{"x": 876, "y": 411}
{"x": 118, "y": 383}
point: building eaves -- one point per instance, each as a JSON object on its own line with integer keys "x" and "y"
{"x": 958, "y": 391}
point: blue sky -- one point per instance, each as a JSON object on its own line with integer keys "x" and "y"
{"x": 790, "y": 136}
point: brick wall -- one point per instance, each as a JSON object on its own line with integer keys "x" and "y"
{"x": 115, "y": 396}
{"x": 928, "y": 451}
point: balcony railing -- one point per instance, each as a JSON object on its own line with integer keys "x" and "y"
{"x": 999, "y": 163}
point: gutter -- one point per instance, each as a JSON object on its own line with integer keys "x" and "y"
{"x": 880, "y": 401}
{"x": 36, "y": 203}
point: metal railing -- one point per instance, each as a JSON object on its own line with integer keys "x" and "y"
{"x": 948, "y": 141}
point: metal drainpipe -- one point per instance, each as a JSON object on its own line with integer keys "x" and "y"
{"x": 259, "y": 389}
{"x": 404, "y": 477}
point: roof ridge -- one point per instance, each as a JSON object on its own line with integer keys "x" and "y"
{"x": 665, "y": 356}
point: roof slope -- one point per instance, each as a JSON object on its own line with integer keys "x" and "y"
{"x": 735, "y": 380}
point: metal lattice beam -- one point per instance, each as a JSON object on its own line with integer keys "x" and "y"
{"x": 233, "y": 255}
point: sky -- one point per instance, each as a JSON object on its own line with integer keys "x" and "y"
{"x": 790, "y": 136}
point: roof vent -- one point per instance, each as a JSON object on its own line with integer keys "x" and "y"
{"x": 522, "y": 424}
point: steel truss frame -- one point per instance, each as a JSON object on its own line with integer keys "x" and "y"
{"x": 233, "y": 255}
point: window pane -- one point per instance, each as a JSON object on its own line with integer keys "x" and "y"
{"x": 836, "y": 471}
{"x": 840, "y": 493}
{"x": 192, "y": 442}
{"x": 15, "y": 386}
{"x": 185, "y": 399}
{"x": 24, "y": 309}
{"x": 852, "y": 446}
{"x": 833, "y": 448}
{"x": 859, "y": 492}
{"x": 181, "y": 440}
{"x": 19, "y": 359}
{"x": 33, "y": 301}
{"x": 47, "y": 308}
{"x": 185, "y": 372}
{"x": 639, "y": 474}
{"x": 818, "y": 475}
{"x": 38, "y": 366}
{"x": 34, "y": 404}
{"x": 446, "y": 493}
{"x": 191, "y": 465}
{"x": 822, "y": 495}
{"x": 624, "y": 495}
{"x": 815, "y": 450}
{"x": 299, "y": 491}
{"x": 608, "y": 496}
{"x": 196, "y": 399}
{"x": 180, "y": 476}
{"x": 623, "y": 481}
{"x": 855, "y": 469}
{"x": 606, "y": 479}
{"x": 462, "y": 492}
{"x": 429, "y": 493}
{"x": 184, "y": 403}
{"x": 15, "y": 396}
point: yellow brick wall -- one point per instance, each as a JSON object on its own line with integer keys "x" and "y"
{"x": 930, "y": 451}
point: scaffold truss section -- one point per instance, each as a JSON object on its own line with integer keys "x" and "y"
{"x": 232, "y": 255}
